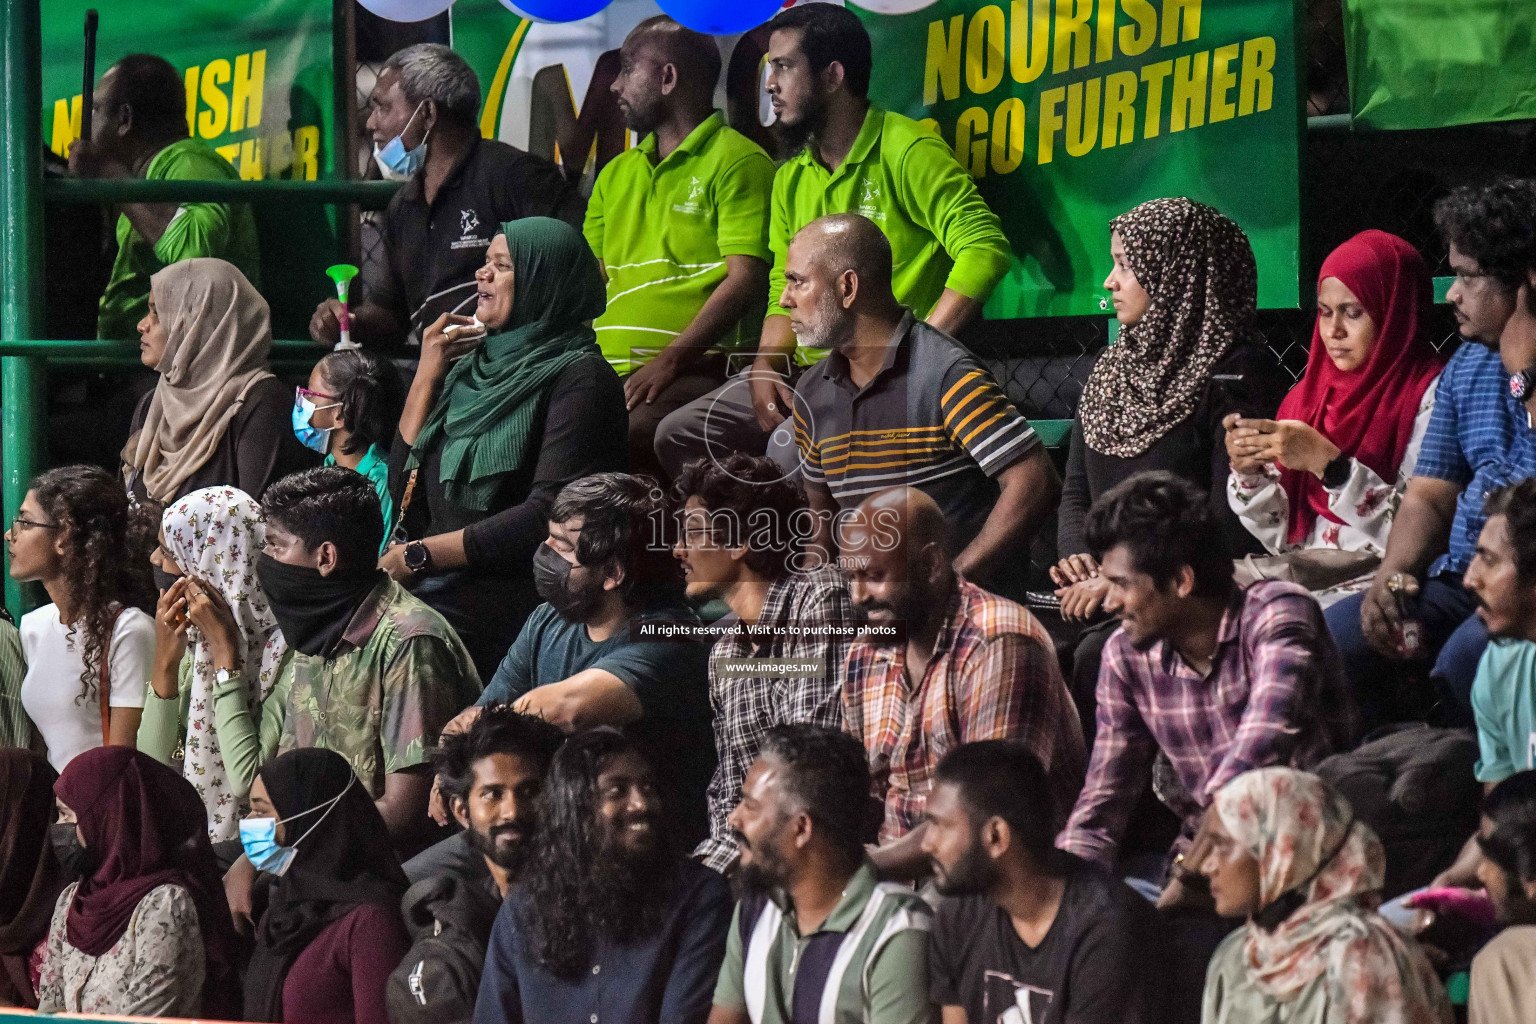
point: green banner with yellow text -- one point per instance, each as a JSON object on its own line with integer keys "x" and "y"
{"x": 1068, "y": 112}
{"x": 257, "y": 74}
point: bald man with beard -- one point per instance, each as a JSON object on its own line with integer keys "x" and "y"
{"x": 898, "y": 402}
{"x": 941, "y": 663}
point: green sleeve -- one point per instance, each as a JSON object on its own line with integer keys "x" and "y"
{"x": 245, "y": 742}
{"x": 1496, "y": 762}
{"x": 198, "y": 229}
{"x": 425, "y": 686}
{"x": 743, "y": 193}
{"x": 898, "y": 981}
{"x": 592, "y": 227}
{"x": 779, "y": 232}
{"x": 729, "y": 991}
{"x": 941, "y": 197}
{"x": 164, "y": 725}
{"x": 15, "y": 725}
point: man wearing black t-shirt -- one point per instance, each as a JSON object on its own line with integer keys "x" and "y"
{"x": 1026, "y": 933}
{"x": 458, "y": 190}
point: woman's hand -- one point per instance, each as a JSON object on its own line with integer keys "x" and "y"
{"x": 1074, "y": 569}
{"x": 392, "y": 561}
{"x": 440, "y": 348}
{"x": 1243, "y": 445}
{"x": 211, "y": 615}
{"x": 170, "y": 638}
{"x": 1293, "y": 445}
{"x": 1081, "y": 601}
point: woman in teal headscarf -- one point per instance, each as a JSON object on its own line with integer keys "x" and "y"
{"x": 504, "y": 412}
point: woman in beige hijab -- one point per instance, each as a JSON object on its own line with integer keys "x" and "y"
{"x": 217, "y": 416}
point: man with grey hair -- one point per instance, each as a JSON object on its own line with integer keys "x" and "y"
{"x": 899, "y": 402}
{"x": 458, "y": 190}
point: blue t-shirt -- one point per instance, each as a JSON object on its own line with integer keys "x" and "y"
{"x": 670, "y": 678}
{"x": 1504, "y": 703}
{"x": 1478, "y": 438}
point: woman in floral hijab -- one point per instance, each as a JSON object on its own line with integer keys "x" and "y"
{"x": 1286, "y": 851}
{"x": 211, "y": 537}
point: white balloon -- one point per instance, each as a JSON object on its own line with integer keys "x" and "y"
{"x": 406, "y": 10}
{"x": 893, "y": 6}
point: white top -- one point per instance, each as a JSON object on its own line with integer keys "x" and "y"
{"x": 1366, "y": 503}
{"x": 66, "y": 713}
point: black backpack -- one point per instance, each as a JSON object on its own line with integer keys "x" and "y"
{"x": 450, "y": 921}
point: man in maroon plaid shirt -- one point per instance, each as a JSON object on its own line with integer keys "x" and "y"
{"x": 1220, "y": 680}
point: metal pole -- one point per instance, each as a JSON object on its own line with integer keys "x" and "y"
{"x": 22, "y": 379}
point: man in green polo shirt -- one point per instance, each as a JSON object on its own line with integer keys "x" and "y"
{"x": 853, "y": 157}
{"x": 139, "y": 130}
{"x": 816, "y": 929}
{"x": 680, "y": 224}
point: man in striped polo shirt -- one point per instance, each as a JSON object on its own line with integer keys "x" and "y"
{"x": 899, "y": 402}
{"x": 817, "y": 938}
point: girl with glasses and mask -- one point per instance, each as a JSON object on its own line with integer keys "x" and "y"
{"x": 146, "y": 931}
{"x": 332, "y": 931}
{"x": 91, "y": 648}
{"x": 348, "y": 412}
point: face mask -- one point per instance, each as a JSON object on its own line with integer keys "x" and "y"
{"x": 74, "y": 859}
{"x": 163, "y": 580}
{"x": 258, "y": 837}
{"x": 396, "y": 162}
{"x": 312, "y": 609}
{"x": 309, "y": 435}
{"x": 552, "y": 579}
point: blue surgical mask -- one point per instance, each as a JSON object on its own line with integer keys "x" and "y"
{"x": 309, "y": 435}
{"x": 258, "y": 837}
{"x": 396, "y": 162}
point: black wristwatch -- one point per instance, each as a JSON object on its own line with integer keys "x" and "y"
{"x": 1335, "y": 474}
{"x": 417, "y": 557}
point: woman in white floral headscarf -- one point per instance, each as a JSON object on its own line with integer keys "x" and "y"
{"x": 211, "y": 538}
{"x": 1287, "y": 853}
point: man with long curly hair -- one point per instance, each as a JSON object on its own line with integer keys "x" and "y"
{"x": 608, "y": 923}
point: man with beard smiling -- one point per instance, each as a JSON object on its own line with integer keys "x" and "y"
{"x": 608, "y": 923}
{"x": 846, "y": 154}
{"x": 955, "y": 664}
{"x": 1022, "y": 924}
{"x": 1504, "y": 971}
{"x": 816, "y": 931}
{"x": 579, "y": 662}
{"x": 1220, "y": 680}
{"x": 492, "y": 776}
{"x": 680, "y": 224}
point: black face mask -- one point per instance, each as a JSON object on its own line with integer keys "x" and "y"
{"x": 74, "y": 859}
{"x": 313, "y": 610}
{"x": 552, "y": 579}
{"x": 163, "y": 580}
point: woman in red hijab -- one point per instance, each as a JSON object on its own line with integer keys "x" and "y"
{"x": 146, "y": 931}
{"x": 1329, "y": 470}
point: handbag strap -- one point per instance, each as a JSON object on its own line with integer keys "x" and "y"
{"x": 104, "y": 683}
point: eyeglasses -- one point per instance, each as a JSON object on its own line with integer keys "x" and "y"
{"x": 20, "y": 521}
{"x": 321, "y": 395}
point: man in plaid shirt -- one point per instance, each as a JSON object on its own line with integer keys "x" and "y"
{"x": 737, "y": 544}
{"x": 943, "y": 663}
{"x": 1219, "y": 680}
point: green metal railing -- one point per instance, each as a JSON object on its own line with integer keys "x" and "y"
{"x": 23, "y": 190}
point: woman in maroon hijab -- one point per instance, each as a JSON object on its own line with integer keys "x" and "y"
{"x": 1328, "y": 470}
{"x": 146, "y": 931}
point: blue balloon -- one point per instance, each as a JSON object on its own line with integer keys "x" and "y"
{"x": 721, "y": 17}
{"x": 555, "y": 10}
